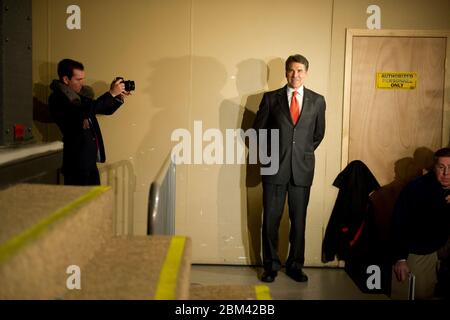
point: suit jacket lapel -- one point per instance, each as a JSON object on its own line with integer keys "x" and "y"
{"x": 284, "y": 103}
{"x": 306, "y": 101}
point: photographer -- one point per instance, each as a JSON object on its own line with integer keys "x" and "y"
{"x": 73, "y": 109}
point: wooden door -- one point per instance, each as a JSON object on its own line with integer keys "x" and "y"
{"x": 394, "y": 100}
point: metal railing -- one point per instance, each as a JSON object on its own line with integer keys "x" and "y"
{"x": 161, "y": 201}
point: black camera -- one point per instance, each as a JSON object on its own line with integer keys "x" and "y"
{"x": 129, "y": 84}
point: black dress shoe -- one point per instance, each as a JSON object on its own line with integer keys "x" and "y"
{"x": 268, "y": 276}
{"x": 297, "y": 275}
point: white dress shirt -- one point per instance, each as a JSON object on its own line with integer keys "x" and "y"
{"x": 299, "y": 95}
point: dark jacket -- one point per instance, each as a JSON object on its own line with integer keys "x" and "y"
{"x": 355, "y": 183}
{"x": 82, "y": 147}
{"x": 296, "y": 142}
{"x": 421, "y": 221}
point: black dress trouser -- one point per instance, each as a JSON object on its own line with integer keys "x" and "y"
{"x": 82, "y": 178}
{"x": 274, "y": 197}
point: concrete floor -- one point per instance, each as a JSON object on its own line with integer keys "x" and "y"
{"x": 323, "y": 284}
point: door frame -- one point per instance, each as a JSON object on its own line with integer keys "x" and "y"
{"x": 348, "y": 78}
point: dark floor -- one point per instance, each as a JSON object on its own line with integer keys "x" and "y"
{"x": 323, "y": 284}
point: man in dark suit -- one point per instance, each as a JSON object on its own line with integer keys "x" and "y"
{"x": 299, "y": 116}
{"x": 73, "y": 109}
{"x": 421, "y": 228}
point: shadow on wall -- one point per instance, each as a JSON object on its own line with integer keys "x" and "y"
{"x": 238, "y": 113}
{"x": 253, "y": 77}
{"x": 44, "y": 129}
{"x": 181, "y": 90}
{"x": 383, "y": 200}
{"x": 166, "y": 108}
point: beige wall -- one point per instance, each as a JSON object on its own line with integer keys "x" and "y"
{"x": 211, "y": 60}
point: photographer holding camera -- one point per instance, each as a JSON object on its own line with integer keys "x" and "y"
{"x": 74, "y": 110}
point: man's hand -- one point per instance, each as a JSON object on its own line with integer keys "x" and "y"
{"x": 447, "y": 198}
{"x": 117, "y": 87}
{"x": 401, "y": 270}
{"x": 85, "y": 124}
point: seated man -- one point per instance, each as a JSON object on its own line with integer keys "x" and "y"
{"x": 421, "y": 225}
{"x": 443, "y": 285}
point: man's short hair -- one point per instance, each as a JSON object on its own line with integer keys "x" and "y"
{"x": 444, "y": 152}
{"x": 66, "y": 67}
{"x": 297, "y": 58}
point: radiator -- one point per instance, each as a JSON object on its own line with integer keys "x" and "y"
{"x": 120, "y": 176}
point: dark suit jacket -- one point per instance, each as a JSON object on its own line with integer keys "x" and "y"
{"x": 421, "y": 220}
{"x": 80, "y": 148}
{"x": 297, "y": 142}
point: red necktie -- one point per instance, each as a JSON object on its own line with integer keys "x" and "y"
{"x": 295, "y": 108}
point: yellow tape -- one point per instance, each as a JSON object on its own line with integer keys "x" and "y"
{"x": 10, "y": 247}
{"x": 262, "y": 292}
{"x": 167, "y": 283}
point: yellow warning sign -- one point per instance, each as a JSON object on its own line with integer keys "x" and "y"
{"x": 396, "y": 80}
